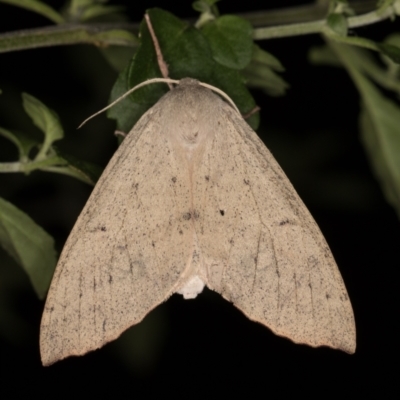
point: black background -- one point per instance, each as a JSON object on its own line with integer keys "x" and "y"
{"x": 206, "y": 347}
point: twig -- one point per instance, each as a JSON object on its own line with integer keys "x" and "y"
{"x": 318, "y": 26}
{"x": 160, "y": 59}
{"x": 285, "y": 22}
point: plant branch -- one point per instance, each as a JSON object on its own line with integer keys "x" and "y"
{"x": 12, "y": 167}
{"x": 293, "y": 21}
{"x": 100, "y": 35}
{"x": 300, "y": 14}
{"x": 318, "y": 26}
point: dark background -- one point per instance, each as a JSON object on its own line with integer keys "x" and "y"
{"x": 206, "y": 347}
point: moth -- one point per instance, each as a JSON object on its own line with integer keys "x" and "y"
{"x": 193, "y": 198}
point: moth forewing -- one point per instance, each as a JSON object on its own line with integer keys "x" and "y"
{"x": 192, "y": 197}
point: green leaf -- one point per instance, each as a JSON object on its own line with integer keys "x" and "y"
{"x": 396, "y": 7}
{"x": 99, "y": 10}
{"x": 393, "y": 39}
{"x": 29, "y": 245}
{"x": 23, "y": 142}
{"x": 340, "y": 7}
{"x": 379, "y": 125}
{"x": 83, "y": 10}
{"x": 76, "y": 4}
{"x": 363, "y": 60}
{"x": 393, "y": 68}
{"x": 83, "y": 170}
{"x": 55, "y": 161}
{"x": 204, "y": 6}
{"x": 263, "y": 57}
{"x": 38, "y": 7}
{"x": 211, "y": 2}
{"x": 76, "y": 7}
{"x": 187, "y": 54}
{"x": 60, "y": 164}
{"x": 126, "y": 112}
{"x": 50, "y": 163}
{"x": 201, "y": 6}
{"x": 380, "y": 129}
{"x": 185, "y": 49}
{"x": 260, "y": 73}
{"x": 264, "y": 78}
{"x": 118, "y": 56}
{"x": 208, "y": 11}
{"x": 393, "y": 52}
{"x": 338, "y": 24}
{"x": 45, "y": 119}
{"x": 323, "y": 55}
{"x": 383, "y": 5}
{"x": 232, "y": 83}
{"x": 231, "y": 42}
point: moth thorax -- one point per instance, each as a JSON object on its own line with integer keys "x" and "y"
{"x": 190, "y": 138}
{"x": 192, "y": 132}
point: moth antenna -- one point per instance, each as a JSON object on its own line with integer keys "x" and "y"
{"x": 164, "y": 80}
{"x": 221, "y": 93}
{"x": 154, "y": 80}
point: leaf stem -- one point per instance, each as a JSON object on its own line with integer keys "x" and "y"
{"x": 47, "y": 165}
